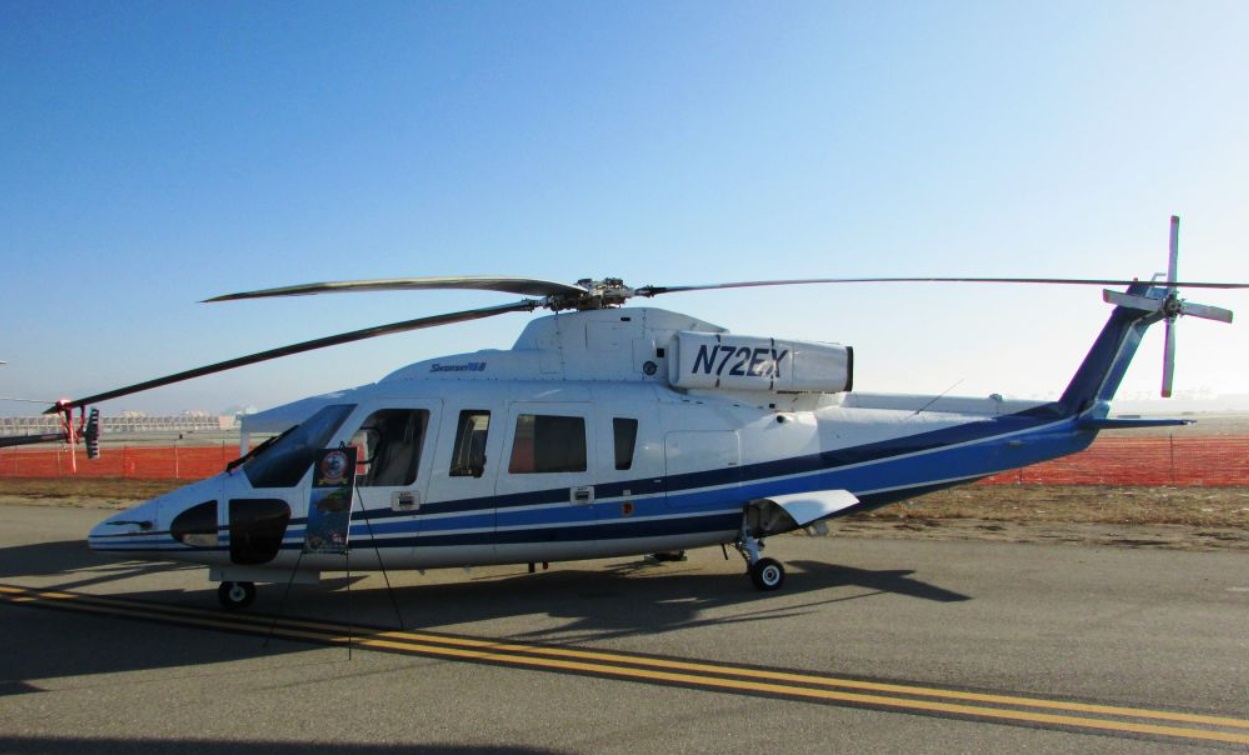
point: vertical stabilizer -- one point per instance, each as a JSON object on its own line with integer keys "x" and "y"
{"x": 1103, "y": 368}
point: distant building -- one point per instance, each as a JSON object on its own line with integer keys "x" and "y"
{"x": 127, "y": 422}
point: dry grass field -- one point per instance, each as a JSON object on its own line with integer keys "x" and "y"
{"x": 1188, "y": 518}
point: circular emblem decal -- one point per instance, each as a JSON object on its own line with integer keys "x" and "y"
{"x": 334, "y": 467}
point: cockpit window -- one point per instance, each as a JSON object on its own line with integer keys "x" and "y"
{"x": 390, "y": 443}
{"x": 283, "y": 464}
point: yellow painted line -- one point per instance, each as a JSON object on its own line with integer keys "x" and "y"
{"x": 695, "y": 674}
{"x": 822, "y": 694}
{"x": 782, "y": 676}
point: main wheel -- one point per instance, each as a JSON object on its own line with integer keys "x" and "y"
{"x": 767, "y": 574}
{"x": 236, "y": 595}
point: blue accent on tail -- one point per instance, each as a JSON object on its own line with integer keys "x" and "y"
{"x": 1102, "y": 371}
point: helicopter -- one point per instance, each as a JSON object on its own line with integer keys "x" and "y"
{"x": 607, "y": 431}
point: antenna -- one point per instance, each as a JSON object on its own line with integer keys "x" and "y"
{"x": 939, "y": 396}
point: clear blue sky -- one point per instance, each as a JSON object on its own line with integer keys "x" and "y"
{"x": 154, "y": 154}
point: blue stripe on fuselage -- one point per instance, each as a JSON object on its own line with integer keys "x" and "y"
{"x": 938, "y": 458}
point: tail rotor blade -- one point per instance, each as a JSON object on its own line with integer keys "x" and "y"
{"x": 1168, "y": 353}
{"x": 1206, "y": 312}
{"x": 1173, "y": 262}
{"x": 1168, "y": 359}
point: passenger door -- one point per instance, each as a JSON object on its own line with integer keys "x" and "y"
{"x": 395, "y": 445}
{"x": 459, "y": 523}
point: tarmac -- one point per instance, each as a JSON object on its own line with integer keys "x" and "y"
{"x": 873, "y": 646}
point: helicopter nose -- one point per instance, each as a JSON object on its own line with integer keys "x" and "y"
{"x": 187, "y": 516}
{"x": 132, "y": 529}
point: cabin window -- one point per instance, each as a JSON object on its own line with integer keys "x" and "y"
{"x": 389, "y": 444}
{"x": 626, "y": 437}
{"x": 546, "y": 443}
{"x": 282, "y": 461}
{"x": 469, "y": 456}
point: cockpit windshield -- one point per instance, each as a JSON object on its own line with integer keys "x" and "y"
{"x": 283, "y": 464}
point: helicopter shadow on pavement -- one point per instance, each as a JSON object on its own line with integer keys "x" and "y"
{"x": 625, "y": 599}
{"x": 600, "y": 601}
{"x": 76, "y": 563}
{"x": 45, "y": 644}
{"x": 570, "y": 604}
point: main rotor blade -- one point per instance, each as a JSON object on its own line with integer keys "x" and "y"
{"x": 656, "y": 290}
{"x": 505, "y": 284}
{"x": 526, "y": 305}
{"x": 26, "y": 440}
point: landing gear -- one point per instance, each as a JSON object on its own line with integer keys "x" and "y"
{"x": 767, "y": 574}
{"x": 236, "y": 595}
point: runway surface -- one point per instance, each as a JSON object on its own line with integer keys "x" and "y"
{"x": 873, "y": 646}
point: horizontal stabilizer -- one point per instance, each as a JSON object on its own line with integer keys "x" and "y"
{"x": 1132, "y": 301}
{"x": 805, "y": 508}
{"x": 1091, "y": 423}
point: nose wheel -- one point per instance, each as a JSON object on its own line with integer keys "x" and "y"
{"x": 236, "y": 595}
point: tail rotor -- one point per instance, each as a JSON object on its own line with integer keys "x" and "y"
{"x": 1165, "y": 303}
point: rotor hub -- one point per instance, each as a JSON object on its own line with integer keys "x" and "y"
{"x": 601, "y": 294}
{"x": 1172, "y": 306}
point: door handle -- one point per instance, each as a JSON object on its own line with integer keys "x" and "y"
{"x": 405, "y": 500}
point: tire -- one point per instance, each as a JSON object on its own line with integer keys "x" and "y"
{"x": 236, "y": 595}
{"x": 768, "y": 574}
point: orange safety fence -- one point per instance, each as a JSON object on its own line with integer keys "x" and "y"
{"x": 1186, "y": 461}
{"x": 1191, "y": 461}
{"x": 176, "y": 462}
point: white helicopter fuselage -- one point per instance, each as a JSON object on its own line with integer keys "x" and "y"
{"x": 600, "y": 433}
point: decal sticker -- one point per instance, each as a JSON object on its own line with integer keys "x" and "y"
{"x": 760, "y": 361}
{"x": 466, "y": 367}
{"x": 746, "y": 363}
